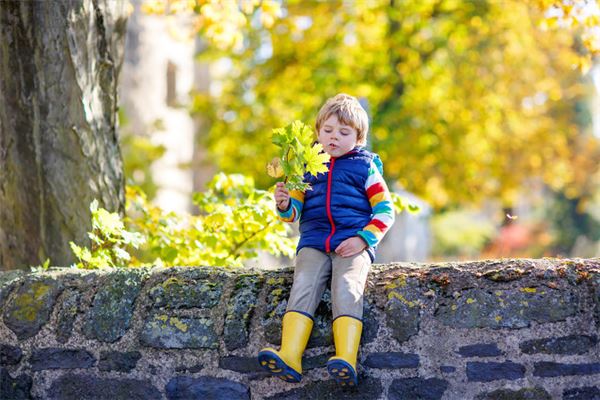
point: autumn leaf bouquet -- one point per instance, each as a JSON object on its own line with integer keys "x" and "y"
{"x": 299, "y": 154}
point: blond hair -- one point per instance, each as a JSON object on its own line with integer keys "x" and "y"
{"x": 349, "y": 112}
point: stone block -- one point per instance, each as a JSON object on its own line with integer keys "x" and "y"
{"x": 242, "y": 365}
{"x": 370, "y": 323}
{"x": 368, "y": 388}
{"x": 480, "y": 350}
{"x": 511, "y": 308}
{"x": 117, "y": 361}
{"x": 18, "y": 388}
{"x": 552, "y": 369}
{"x": 170, "y": 332}
{"x": 582, "y": 393}
{"x": 31, "y": 306}
{"x": 322, "y": 334}
{"x": 573, "y": 344}
{"x": 596, "y": 293}
{"x": 61, "y": 359}
{"x": 403, "y": 308}
{"x": 187, "y": 388}
{"x": 536, "y": 393}
{"x": 492, "y": 371}
{"x": 250, "y": 365}
{"x": 189, "y": 289}
{"x": 10, "y": 355}
{"x": 505, "y": 274}
{"x": 392, "y": 360}
{"x": 240, "y": 310}
{"x": 417, "y": 388}
{"x": 447, "y": 369}
{"x": 66, "y": 315}
{"x": 109, "y": 317}
{"x": 246, "y": 365}
{"x": 191, "y": 369}
{"x": 8, "y": 281}
{"x": 319, "y": 361}
{"x": 278, "y": 291}
{"x": 77, "y": 387}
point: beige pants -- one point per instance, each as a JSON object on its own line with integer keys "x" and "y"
{"x": 348, "y": 278}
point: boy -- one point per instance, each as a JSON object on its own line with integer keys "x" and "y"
{"x": 342, "y": 219}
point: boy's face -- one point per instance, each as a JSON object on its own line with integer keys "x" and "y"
{"x": 337, "y": 139}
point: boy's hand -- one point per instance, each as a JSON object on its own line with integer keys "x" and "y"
{"x": 282, "y": 196}
{"x": 351, "y": 246}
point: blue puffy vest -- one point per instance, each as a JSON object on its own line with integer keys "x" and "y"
{"x": 337, "y": 207}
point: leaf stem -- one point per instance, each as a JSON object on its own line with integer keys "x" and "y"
{"x": 287, "y": 160}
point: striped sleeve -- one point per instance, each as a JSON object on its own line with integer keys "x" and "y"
{"x": 294, "y": 210}
{"x": 381, "y": 204}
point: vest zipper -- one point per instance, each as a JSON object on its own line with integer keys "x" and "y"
{"x": 328, "y": 208}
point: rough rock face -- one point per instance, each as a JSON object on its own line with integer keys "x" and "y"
{"x": 510, "y": 329}
{"x": 111, "y": 312}
{"x": 31, "y": 306}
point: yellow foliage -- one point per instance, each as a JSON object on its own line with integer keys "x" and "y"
{"x": 468, "y": 100}
{"x": 221, "y": 22}
{"x": 582, "y": 16}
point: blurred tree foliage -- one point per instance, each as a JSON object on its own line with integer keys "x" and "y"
{"x": 569, "y": 222}
{"x": 580, "y": 16}
{"x": 461, "y": 234}
{"x": 220, "y": 22}
{"x": 469, "y": 98}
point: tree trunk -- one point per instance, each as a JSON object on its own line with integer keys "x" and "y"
{"x": 59, "y": 62}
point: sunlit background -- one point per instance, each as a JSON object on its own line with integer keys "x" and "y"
{"x": 485, "y": 113}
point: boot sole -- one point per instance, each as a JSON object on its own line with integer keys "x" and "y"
{"x": 273, "y": 364}
{"x": 342, "y": 372}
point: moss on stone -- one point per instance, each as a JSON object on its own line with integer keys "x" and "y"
{"x": 31, "y": 306}
{"x": 187, "y": 291}
{"x": 240, "y": 309}
{"x": 396, "y": 295}
{"x": 403, "y": 307}
{"x": 175, "y": 332}
{"x": 179, "y": 324}
{"x": 505, "y": 274}
{"x": 8, "y": 279}
{"x": 528, "y": 290}
{"x": 112, "y": 310}
{"x": 396, "y": 283}
{"x": 511, "y": 308}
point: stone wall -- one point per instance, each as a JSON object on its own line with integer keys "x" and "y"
{"x": 506, "y": 329}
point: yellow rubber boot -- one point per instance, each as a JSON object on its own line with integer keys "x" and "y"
{"x": 287, "y": 362}
{"x": 346, "y": 337}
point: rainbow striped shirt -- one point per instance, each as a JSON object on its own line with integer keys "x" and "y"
{"x": 381, "y": 204}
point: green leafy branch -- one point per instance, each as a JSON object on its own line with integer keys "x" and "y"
{"x": 299, "y": 155}
{"x": 236, "y": 221}
{"x": 109, "y": 239}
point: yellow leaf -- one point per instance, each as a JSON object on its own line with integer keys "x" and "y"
{"x": 215, "y": 220}
{"x": 315, "y": 159}
{"x": 274, "y": 168}
{"x": 110, "y": 222}
{"x": 584, "y": 64}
